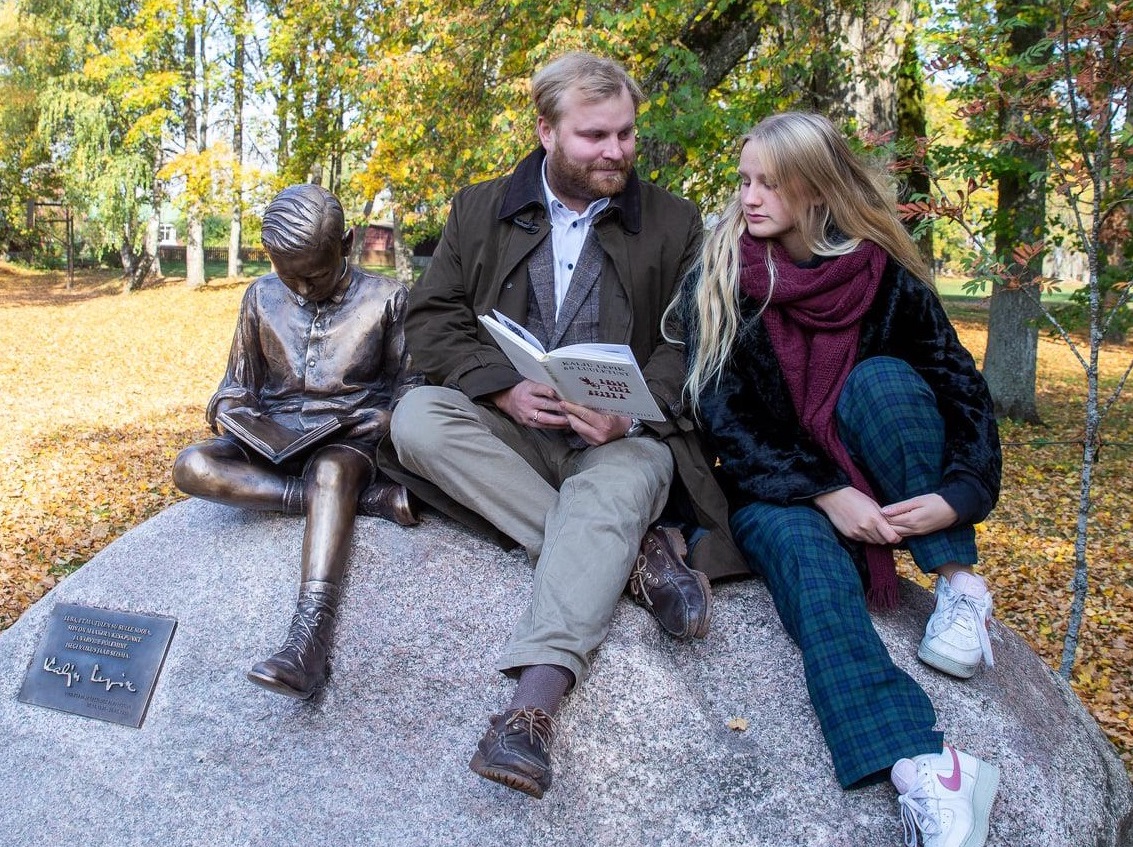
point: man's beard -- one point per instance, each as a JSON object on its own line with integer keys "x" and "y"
{"x": 583, "y": 181}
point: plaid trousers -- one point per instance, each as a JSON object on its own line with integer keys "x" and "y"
{"x": 871, "y": 712}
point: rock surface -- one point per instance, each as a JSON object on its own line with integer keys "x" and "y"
{"x": 644, "y": 755}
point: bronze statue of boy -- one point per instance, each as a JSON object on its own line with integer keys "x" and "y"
{"x": 316, "y": 339}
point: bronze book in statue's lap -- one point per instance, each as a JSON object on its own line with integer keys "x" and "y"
{"x": 273, "y": 440}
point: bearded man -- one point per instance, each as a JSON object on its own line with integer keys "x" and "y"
{"x": 576, "y": 248}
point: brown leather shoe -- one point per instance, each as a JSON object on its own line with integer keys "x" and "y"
{"x": 389, "y": 500}
{"x": 515, "y": 751}
{"x": 678, "y": 596}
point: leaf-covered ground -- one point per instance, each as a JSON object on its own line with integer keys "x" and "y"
{"x": 98, "y": 392}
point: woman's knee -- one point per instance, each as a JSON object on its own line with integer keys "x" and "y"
{"x": 873, "y": 383}
{"x": 883, "y": 393}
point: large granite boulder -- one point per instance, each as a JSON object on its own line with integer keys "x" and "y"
{"x": 645, "y": 754}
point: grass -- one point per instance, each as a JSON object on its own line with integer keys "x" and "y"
{"x": 214, "y": 270}
{"x": 99, "y": 390}
{"x": 952, "y": 287}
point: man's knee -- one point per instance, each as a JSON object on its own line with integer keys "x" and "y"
{"x": 655, "y": 463}
{"x": 416, "y": 426}
{"x": 637, "y": 470}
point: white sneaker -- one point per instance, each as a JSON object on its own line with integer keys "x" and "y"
{"x": 956, "y": 638}
{"x": 947, "y": 797}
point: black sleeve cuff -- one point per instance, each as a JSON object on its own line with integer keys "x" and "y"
{"x": 966, "y": 495}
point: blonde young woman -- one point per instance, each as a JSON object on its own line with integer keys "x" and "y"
{"x": 848, "y": 419}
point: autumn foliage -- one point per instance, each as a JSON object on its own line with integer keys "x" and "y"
{"x": 99, "y": 390}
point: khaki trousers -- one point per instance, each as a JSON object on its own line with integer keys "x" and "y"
{"x": 580, "y": 513}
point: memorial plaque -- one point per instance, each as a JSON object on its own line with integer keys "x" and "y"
{"x": 99, "y": 663}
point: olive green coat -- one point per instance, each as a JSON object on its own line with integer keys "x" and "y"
{"x": 650, "y": 238}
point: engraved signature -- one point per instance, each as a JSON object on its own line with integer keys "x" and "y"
{"x": 71, "y": 672}
{"x": 68, "y": 670}
{"x": 95, "y": 678}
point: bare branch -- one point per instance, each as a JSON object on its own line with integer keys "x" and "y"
{"x": 1104, "y": 408}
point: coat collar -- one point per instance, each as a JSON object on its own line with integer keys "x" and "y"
{"x": 525, "y": 193}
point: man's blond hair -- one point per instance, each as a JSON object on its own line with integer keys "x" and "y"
{"x": 594, "y": 77}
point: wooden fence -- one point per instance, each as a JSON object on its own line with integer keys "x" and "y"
{"x": 176, "y": 253}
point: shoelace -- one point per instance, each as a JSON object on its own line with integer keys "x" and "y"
{"x": 638, "y": 581}
{"x": 540, "y": 725}
{"x": 956, "y": 603}
{"x": 301, "y": 633}
{"x": 915, "y": 813}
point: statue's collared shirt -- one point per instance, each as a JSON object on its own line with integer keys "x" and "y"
{"x": 300, "y": 362}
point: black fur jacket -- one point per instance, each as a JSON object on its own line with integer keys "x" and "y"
{"x": 765, "y": 455}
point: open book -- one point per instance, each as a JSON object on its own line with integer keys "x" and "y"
{"x": 603, "y": 377}
{"x": 270, "y": 439}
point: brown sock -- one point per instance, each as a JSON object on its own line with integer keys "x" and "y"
{"x": 542, "y": 687}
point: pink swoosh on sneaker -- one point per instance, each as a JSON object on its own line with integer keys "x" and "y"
{"x": 952, "y": 783}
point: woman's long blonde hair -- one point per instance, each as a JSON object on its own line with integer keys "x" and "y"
{"x": 839, "y": 201}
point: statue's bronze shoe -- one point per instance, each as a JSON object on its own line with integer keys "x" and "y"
{"x": 299, "y": 668}
{"x": 389, "y": 500}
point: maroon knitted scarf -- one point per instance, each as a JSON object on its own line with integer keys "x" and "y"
{"x": 814, "y": 322}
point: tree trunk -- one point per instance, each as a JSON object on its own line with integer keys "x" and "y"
{"x": 1011, "y": 354}
{"x": 360, "y": 233}
{"x": 318, "y": 119}
{"x": 129, "y": 262}
{"x": 283, "y": 111}
{"x": 194, "y": 252}
{"x": 235, "y": 230}
{"x": 334, "y": 184}
{"x": 153, "y": 226}
{"x": 1010, "y": 361}
{"x": 203, "y": 81}
{"x": 911, "y": 125}
{"x": 194, "y": 236}
{"x": 136, "y": 264}
{"x": 402, "y": 255}
{"x": 1011, "y": 357}
{"x": 871, "y": 35}
{"x": 719, "y": 43}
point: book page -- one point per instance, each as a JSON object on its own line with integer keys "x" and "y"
{"x": 528, "y": 360}
{"x": 605, "y": 385}
{"x": 521, "y": 331}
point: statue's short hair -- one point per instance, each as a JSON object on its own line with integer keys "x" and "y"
{"x": 595, "y": 77}
{"x": 301, "y": 218}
